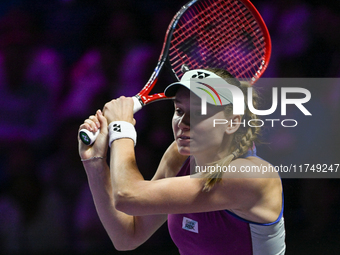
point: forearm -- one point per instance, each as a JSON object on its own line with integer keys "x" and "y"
{"x": 124, "y": 171}
{"x": 119, "y": 226}
{"x": 131, "y": 192}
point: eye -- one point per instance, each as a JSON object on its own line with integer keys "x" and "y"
{"x": 179, "y": 111}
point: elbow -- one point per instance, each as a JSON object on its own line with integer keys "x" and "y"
{"x": 125, "y": 242}
{"x": 125, "y": 247}
{"x": 123, "y": 201}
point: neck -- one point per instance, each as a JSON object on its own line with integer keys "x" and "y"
{"x": 213, "y": 155}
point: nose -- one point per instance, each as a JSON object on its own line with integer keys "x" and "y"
{"x": 184, "y": 122}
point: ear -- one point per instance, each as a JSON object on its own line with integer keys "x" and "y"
{"x": 233, "y": 124}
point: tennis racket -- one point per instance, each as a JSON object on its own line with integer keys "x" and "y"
{"x": 226, "y": 34}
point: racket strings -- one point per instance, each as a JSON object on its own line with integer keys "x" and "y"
{"x": 238, "y": 18}
{"x": 220, "y": 34}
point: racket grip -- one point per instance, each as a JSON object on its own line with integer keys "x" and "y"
{"x": 137, "y": 105}
{"x": 88, "y": 137}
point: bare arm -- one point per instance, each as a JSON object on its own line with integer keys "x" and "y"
{"x": 126, "y": 232}
{"x": 252, "y": 197}
{"x": 259, "y": 199}
{"x": 136, "y": 196}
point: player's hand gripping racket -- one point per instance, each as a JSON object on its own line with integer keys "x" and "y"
{"x": 227, "y": 34}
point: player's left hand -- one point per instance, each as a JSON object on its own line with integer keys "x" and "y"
{"x": 99, "y": 148}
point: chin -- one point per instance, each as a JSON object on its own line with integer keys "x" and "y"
{"x": 185, "y": 151}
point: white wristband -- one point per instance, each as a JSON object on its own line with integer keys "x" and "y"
{"x": 122, "y": 129}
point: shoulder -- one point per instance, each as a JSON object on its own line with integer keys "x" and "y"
{"x": 258, "y": 193}
{"x": 171, "y": 163}
{"x": 255, "y": 174}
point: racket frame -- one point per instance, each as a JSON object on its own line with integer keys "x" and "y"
{"x": 144, "y": 97}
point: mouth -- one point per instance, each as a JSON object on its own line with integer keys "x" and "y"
{"x": 184, "y": 137}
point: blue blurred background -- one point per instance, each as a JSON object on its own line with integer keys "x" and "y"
{"x": 61, "y": 60}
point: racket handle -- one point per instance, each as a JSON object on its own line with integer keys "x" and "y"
{"x": 137, "y": 104}
{"x": 88, "y": 137}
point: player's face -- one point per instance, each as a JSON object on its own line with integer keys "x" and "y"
{"x": 195, "y": 133}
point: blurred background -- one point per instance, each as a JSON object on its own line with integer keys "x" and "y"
{"x": 61, "y": 60}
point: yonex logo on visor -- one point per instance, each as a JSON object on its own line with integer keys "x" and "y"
{"x": 202, "y": 83}
{"x": 200, "y": 75}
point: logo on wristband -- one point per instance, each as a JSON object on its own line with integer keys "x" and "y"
{"x": 116, "y": 127}
{"x": 121, "y": 129}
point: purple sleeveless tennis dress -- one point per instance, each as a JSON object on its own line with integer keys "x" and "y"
{"x": 224, "y": 233}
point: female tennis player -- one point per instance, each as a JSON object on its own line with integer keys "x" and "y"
{"x": 209, "y": 209}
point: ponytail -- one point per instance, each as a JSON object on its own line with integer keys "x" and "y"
{"x": 244, "y": 138}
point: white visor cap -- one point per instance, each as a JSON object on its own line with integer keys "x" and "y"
{"x": 203, "y": 83}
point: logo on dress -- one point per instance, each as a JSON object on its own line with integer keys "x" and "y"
{"x": 190, "y": 225}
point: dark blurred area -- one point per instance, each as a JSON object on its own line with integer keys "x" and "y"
{"x": 61, "y": 60}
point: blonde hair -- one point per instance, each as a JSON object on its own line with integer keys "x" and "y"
{"x": 244, "y": 137}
